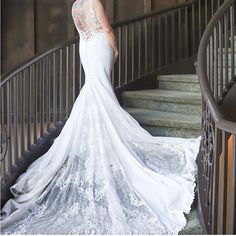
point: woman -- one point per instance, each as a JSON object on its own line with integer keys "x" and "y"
{"x": 104, "y": 174}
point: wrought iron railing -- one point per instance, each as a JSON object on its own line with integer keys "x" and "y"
{"x": 40, "y": 93}
{"x": 217, "y": 157}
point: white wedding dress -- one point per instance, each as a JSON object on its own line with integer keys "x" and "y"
{"x": 104, "y": 174}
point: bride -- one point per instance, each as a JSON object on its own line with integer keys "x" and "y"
{"x": 104, "y": 174}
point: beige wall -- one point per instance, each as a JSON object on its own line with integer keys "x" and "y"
{"x": 32, "y": 26}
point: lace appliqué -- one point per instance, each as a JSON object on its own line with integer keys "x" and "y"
{"x": 85, "y": 20}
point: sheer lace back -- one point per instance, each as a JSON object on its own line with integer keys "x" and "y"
{"x": 85, "y": 18}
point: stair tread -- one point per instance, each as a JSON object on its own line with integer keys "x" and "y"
{"x": 161, "y": 118}
{"x": 165, "y": 95}
{"x": 231, "y": 37}
{"x": 228, "y": 49}
{"x": 193, "y": 226}
{"x": 184, "y": 78}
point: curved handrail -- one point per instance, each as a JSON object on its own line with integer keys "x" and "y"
{"x": 218, "y": 139}
{"x": 34, "y": 59}
{"x": 59, "y": 46}
{"x": 156, "y": 12}
{"x": 217, "y": 115}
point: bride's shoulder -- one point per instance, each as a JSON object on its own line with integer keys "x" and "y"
{"x": 98, "y": 3}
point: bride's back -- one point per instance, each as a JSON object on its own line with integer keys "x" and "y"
{"x": 85, "y": 19}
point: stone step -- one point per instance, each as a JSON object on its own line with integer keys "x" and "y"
{"x": 160, "y": 123}
{"x": 193, "y": 226}
{"x": 230, "y": 64}
{"x": 164, "y": 100}
{"x": 185, "y": 82}
{"x": 224, "y": 69}
{"x": 228, "y": 50}
{"x": 188, "y": 78}
{"x": 225, "y": 73}
{"x": 225, "y": 55}
{"x": 231, "y": 38}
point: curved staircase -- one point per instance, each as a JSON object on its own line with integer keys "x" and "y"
{"x": 37, "y": 97}
{"x": 174, "y": 109}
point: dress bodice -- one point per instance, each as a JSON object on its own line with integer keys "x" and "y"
{"x": 85, "y": 19}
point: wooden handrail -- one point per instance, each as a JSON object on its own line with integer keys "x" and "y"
{"x": 201, "y": 66}
{"x": 216, "y": 71}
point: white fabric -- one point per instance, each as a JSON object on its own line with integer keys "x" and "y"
{"x": 104, "y": 174}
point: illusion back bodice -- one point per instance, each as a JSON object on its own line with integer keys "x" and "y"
{"x": 85, "y": 19}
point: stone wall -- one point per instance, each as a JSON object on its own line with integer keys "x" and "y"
{"x": 17, "y": 32}
{"x": 32, "y": 26}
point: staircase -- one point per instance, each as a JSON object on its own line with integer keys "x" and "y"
{"x": 174, "y": 109}
{"x": 193, "y": 226}
{"x": 225, "y": 58}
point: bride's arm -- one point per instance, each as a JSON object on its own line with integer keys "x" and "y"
{"x": 103, "y": 20}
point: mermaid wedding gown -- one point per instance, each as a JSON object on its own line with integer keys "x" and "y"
{"x": 104, "y": 174}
